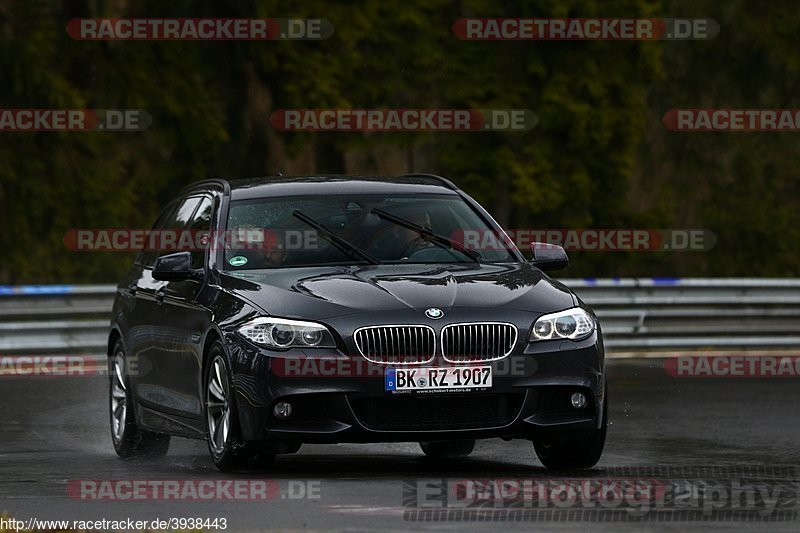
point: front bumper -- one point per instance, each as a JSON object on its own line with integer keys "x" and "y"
{"x": 338, "y": 398}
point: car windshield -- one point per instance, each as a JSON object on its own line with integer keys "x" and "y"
{"x": 356, "y": 229}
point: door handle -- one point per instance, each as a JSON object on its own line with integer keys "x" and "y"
{"x": 159, "y": 296}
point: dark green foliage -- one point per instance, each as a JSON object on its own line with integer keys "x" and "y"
{"x": 599, "y": 156}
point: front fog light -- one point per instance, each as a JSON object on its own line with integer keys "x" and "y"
{"x": 282, "y": 410}
{"x": 578, "y": 400}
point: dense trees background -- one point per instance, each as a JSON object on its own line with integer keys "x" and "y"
{"x": 599, "y": 156}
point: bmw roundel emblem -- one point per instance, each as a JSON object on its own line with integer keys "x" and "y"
{"x": 434, "y": 313}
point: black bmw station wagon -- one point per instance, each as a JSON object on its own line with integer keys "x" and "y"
{"x": 350, "y": 309}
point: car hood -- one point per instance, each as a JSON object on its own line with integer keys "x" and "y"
{"x": 322, "y": 292}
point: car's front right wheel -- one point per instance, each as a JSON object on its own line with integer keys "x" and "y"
{"x": 223, "y": 433}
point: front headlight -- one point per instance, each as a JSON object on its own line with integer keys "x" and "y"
{"x": 283, "y": 333}
{"x": 573, "y": 324}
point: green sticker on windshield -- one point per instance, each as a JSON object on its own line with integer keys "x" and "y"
{"x": 237, "y": 261}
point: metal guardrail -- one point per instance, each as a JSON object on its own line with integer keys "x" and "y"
{"x": 636, "y": 314}
{"x": 55, "y": 319}
{"x": 643, "y": 314}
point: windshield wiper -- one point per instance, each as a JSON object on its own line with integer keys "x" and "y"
{"x": 441, "y": 240}
{"x": 343, "y": 244}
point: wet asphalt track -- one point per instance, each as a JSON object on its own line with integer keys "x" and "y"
{"x": 53, "y": 430}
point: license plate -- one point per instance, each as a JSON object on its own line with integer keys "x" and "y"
{"x": 438, "y": 379}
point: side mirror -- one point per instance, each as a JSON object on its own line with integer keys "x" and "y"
{"x": 549, "y": 256}
{"x": 175, "y": 267}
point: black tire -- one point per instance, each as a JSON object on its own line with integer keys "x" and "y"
{"x": 574, "y": 450}
{"x": 129, "y": 440}
{"x": 448, "y": 448}
{"x": 228, "y": 451}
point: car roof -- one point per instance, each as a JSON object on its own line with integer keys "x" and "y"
{"x": 333, "y": 185}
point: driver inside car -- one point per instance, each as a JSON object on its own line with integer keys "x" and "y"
{"x": 258, "y": 247}
{"x": 413, "y": 240}
{"x": 397, "y": 243}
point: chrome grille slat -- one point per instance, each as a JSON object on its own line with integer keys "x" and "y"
{"x": 396, "y": 344}
{"x": 478, "y": 341}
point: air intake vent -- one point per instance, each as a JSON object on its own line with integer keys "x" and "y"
{"x": 484, "y": 341}
{"x": 399, "y": 345}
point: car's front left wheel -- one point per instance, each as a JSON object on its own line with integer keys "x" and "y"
{"x": 129, "y": 440}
